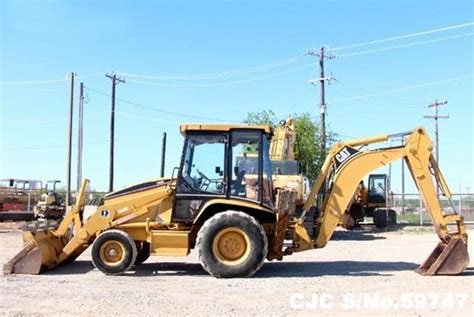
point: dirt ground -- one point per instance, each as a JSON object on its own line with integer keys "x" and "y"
{"x": 358, "y": 273}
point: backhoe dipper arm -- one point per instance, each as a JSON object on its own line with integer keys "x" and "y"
{"x": 345, "y": 166}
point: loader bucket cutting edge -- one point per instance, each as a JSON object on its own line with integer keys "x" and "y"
{"x": 446, "y": 259}
{"x": 39, "y": 252}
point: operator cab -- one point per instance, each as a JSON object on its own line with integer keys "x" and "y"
{"x": 377, "y": 191}
{"x": 222, "y": 162}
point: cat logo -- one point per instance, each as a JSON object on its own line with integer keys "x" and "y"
{"x": 344, "y": 155}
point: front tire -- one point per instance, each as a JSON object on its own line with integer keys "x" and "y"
{"x": 232, "y": 244}
{"x": 114, "y": 252}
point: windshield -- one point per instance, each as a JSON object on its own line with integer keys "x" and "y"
{"x": 285, "y": 168}
{"x": 277, "y": 167}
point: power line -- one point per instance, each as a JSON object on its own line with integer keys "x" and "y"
{"x": 91, "y": 75}
{"x": 222, "y": 83}
{"x": 94, "y": 114}
{"x": 32, "y": 91}
{"x": 390, "y": 91}
{"x": 34, "y": 82}
{"x": 45, "y": 147}
{"x": 406, "y": 45}
{"x": 263, "y": 66}
{"x": 131, "y": 116}
{"x": 158, "y": 110}
{"x": 399, "y": 37}
{"x": 290, "y": 70}
{"x": 218, "y": 74}
{"x": 384, "y": 92}
{"x": 44, "y": 82}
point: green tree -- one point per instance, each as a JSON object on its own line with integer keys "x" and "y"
{"x": 261, "y": 118}
{"x": 308, "y": 150}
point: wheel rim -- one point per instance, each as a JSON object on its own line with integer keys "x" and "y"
{"x": 112, "y": 252}
{"x": 231, "y": 246}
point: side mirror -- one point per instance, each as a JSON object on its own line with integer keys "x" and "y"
{"x": 236, "y": 170}
{"x": 218, "y": 170}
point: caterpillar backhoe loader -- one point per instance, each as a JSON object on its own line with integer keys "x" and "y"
{"x": 233, "y": 225}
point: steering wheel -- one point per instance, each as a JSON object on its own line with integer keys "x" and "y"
{"x": 203, "y": 180}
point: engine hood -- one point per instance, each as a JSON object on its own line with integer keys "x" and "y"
{"x": 139, "y": 187}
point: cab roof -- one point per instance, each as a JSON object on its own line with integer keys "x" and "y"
{"x": 184, "y": 128}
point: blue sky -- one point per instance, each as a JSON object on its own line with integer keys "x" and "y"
{"x": 42, "y": 40}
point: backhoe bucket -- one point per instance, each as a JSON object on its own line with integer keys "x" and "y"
{"x": 446, "y": 259}
{"x": 40, "y": 251}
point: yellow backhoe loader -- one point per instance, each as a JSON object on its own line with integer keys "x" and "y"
{"x": 233, "y": 225}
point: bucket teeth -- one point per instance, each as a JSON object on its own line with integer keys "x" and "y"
{"x": 446, "y": 259}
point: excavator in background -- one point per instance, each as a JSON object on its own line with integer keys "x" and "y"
{"x": 372, "y": 202}
{"x": 236, "y": 226}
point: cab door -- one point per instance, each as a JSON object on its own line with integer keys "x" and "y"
{"x": 201, "y": 175}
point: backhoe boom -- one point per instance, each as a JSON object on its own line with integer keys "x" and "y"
{"x": 346, "y": 165}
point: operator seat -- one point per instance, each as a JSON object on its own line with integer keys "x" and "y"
{"x": 237, "y": 188}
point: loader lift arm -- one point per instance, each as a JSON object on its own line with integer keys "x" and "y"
{"x": 346, "y": 165}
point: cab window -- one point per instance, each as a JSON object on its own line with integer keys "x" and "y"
{"x": 203, "y": 166}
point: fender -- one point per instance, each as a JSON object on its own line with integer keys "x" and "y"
{"x": 261, "y": 213}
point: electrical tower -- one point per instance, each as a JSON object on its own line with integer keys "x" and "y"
{"x": 115, "y": 82}
{"x": 322, "y": 55}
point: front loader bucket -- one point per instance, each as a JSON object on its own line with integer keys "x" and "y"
{"x": 44, "y": 243}
{"x": 446, "y": 259}
{"x": 40, "y": 251}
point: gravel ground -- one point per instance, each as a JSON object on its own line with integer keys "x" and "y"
{"x": 356, "y": 268}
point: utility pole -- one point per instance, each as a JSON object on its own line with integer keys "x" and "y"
{"x": 80, "y": 131}
{"x": 115, "y": 82}
{"x": 322, "y": 103}
{"x": 403, "y": 184}
{"x": 436, "y": 104}
{"x": 163, "y": 155}
{"x": 69, "y": 141}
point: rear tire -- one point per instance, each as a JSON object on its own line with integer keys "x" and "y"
{"x": 232, "y": 244}
{"x": 392, "y": 217}
{"x": 380, "y": 217}
{"x": 114, "y": 252}
{"x": 143, "y": 252}
{"x": 310, "y": 220}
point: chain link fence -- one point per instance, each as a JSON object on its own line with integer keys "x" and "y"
{"x": 411, "y": 210}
